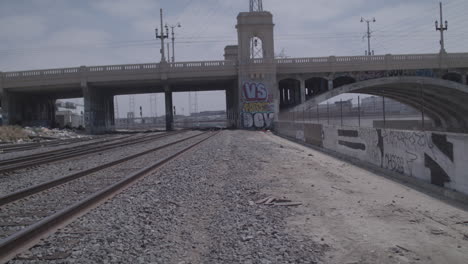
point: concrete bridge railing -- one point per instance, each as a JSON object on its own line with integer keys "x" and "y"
{"x": 372, "y": 63}
{"x": 129, "y": 68}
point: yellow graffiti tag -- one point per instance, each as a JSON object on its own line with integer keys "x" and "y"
{"x": 257, "y": 107}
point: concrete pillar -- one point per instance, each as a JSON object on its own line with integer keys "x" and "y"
{"x": 232, "y": 107}
{"x": 330, "y": 85}
{"x": 96, "y": 110}
{"x": 303, "y": 92}
{"x": 10, "y": 111}
{"x": 169, "y": 109}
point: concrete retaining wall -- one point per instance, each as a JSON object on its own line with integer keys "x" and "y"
{"x": 434, "y": 157}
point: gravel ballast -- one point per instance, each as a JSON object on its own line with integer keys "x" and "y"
{"x": 20, "y": 179}
{"x": 196, "y": 209}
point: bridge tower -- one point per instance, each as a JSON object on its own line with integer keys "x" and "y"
{"x": 257, "y": 94}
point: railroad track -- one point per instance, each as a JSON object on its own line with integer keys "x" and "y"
{"x": 30, "y": 214}
{"x": 30, "y": 146}
{"x": 64, "y": 154}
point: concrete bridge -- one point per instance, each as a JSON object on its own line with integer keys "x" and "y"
{"x": 257, "y": 85}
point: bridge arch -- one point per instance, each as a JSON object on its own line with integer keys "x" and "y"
{"x": 453, "y": 76}
{"x": 442, "y": 100}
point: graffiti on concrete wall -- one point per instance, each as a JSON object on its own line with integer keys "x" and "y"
{"x": 257, "y": 106}
{"x": 434, "y": 157}
{"x": 415, "y": 153}
{"x": 425, "y": 155}
{"x": 370, "y": 75}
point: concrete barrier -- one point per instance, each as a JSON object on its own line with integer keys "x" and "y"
{"x": 436, "y": 158}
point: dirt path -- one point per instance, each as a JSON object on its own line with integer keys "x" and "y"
{"x": 363, "y": 217}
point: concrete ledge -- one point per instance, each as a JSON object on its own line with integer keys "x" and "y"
{"x": 414, "y": 183}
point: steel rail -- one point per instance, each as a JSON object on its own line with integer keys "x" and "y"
{"x": 26, "y": 238}
{"x": 72, "y": 154}
{"x": 21, "y": 194}
{"x": 29, "y": 146}
{"x": 52, "y": 152}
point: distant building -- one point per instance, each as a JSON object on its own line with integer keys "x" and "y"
{"x": 68, "y": 119}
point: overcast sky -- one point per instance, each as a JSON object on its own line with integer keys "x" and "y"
{"x": 38, "y": 34}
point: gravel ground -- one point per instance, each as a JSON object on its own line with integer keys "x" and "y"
{"x": 17, "y": 215}
{"x": 194, "y": 210}
{"x": 20, "y": 179}
{"x": 200, "y": 209}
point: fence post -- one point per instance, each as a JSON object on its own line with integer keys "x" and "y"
{"x": 359, "y": 110}
{"x": 383, "y": 109}
{"x": 422, "y": 106}
{"x": 318, "y": 114}
{"x": 341, "y": 110}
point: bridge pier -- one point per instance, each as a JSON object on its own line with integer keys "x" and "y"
{"x": 24, "y": 110}
{"x": 302, "y": 91}
{"x": 169, "y": 109}
{"x": 232, "y": 107}
{"x": 98, "y": 110}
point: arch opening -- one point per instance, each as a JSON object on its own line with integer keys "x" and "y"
{"x": 290, "y": 93}
{"x": 315, "y": 86}
{"x": 256, "y": 48}
{"x": 453, "y": 76}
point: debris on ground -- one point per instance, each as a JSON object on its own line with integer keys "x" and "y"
{"x": 13, "y": 134}
{"x": 16, "y": 134}
{"x": 277, "y": 201}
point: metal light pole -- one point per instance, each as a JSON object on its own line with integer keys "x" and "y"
{"x": 162, "y": 36}
{"x": 368, "y": 35}
{"x": 173, "y": 39}
{"x": 442, "y": 28}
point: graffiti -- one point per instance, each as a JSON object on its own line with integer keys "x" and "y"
{"x": 407, "y": 140}
{"x": 258, "y": 107}
{"x": 419, "y": 73}
{"x": 410, "y": 159}
{"x": 257, "y": 120}
{"x": 433, "y": 157}
{"x": 254, "y": 92}
{"x": 369, "y": 75}
{"x": 438, "y": 175}
{"x": 394, "y": 163}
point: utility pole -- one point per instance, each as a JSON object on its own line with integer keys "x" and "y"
{"x": 442, "y": 28}
{"x": 162, "y": 36}
{"x": 168, "y": 52}
{"x": 369, "y": 52}
{"x": 173, "y": 39}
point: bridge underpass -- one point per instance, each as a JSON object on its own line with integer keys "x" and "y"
{"x": 441, "y": 100}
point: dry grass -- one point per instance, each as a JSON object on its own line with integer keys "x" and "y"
{"x": 12, "y": 134}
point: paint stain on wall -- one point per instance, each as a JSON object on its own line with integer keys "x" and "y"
{"x": 443, "y": 145}
{"x": 438, "y": 176}
{"x": 348, "y": 133}
{"x": 352, "y": 145}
